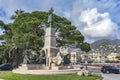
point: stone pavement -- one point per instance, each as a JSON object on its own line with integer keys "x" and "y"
{"x": 111, "y": 76}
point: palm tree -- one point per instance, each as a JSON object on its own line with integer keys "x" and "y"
{"x": 2, "y": 24}
{"x": 17, "y": 13}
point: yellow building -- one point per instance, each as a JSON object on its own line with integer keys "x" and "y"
{"x": 95, "y": 57}
{"x": 84, "y": 56}
{"x": 112, "y": 57}
{"x": 73, "y": 57}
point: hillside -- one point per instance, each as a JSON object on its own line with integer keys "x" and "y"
{"x": 106, "y": 46}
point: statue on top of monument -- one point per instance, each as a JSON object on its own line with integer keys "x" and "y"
{"x": 50, "y": 17}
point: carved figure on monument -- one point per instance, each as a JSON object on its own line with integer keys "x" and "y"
{"x": 50, "y": 17}
{"x": 57, "y": 60}
{"x": 41, "y": 59}
{"x": 26, "y": 57}
{"x": 31, "y": 57}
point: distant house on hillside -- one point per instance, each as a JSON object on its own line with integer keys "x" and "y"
{"x": 74, "y": 52}
{"x": 112, "y": 57}
{"x": 95, "y": 57}
{"x": 73, "y": 57}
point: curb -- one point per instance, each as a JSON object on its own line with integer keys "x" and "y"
{"x": 101, "y": 78}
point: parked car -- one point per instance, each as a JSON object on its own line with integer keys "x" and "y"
{"x": 110, "y": 69}
{"x": 6, "y": 67}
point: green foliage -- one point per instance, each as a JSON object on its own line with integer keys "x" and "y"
{"x": 108, "y": 61}
{"x": 66, "y": 59}
{"x": 27, "y": 34}
{"x": 1, "y": 23}
{"x": 1, "y": 37}
{"x": 25, "y": 31}
{"x": 3, "y": 54}
{"x": 17, "y": 13}
{"x": 118, "y": 57}
{"x": 85, "y": 47}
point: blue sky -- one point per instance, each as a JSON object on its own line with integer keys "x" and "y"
{"x": 96, "y": 19}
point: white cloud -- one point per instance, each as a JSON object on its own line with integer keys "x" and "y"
{"x": 98, "y": 25}
{"x": 97, "y": 19}
{"x": 110, "y": 6}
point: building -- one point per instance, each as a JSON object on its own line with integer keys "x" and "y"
{"x": 84, "y": 57}
{"x": 64, "y": 50}
{"x": 112, "y": 57}
{"x": 74, "y": 52}
{"x": 73, "y": 57}
{"x": 97, "y": 57}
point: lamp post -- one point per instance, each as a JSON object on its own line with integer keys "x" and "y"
{"x": 86, "y": 63}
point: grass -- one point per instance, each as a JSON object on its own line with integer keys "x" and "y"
{"x": 12, "y": 76}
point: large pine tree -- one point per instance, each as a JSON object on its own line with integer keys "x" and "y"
{"x": 26, "y": 32}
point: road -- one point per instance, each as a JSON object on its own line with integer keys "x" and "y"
{"x": 110, "y": 76}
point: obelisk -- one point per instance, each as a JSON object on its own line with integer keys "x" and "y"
{"x": 50, "y": 40}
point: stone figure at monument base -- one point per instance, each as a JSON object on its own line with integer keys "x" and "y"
{"x": 32, "y": 57}
{"x": 57, "y": 60}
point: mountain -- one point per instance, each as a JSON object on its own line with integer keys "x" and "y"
{"x": 104, "y": 42}
{"x": 117, "y": 41}
{"x": 106, "y": 46}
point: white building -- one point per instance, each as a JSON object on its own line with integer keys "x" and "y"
{"x": 65, "y": 50}
{"x": 97, "y": 57}
{"x": 112, "y": 57}
{"x": 73, "y": 57}
{"x": 74, "y": 52}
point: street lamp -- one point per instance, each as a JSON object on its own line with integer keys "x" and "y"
{"x": 86, "y": 63}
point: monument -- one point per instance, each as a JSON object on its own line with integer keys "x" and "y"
{"x": 53, "y": 57}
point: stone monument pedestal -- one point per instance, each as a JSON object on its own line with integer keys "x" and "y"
{"x": 31, "y": 67}
{"x": 54, "y": 67}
